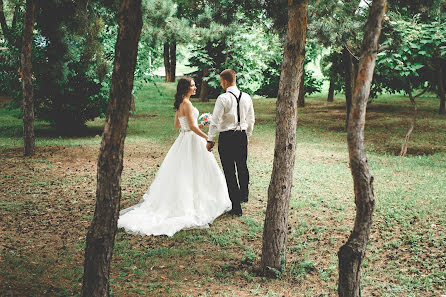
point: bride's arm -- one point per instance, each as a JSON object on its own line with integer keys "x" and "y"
{"x": 191, "y": 121}
{"x": 176, "y": 122}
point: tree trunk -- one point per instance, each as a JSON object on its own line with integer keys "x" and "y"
{"x": 301, "y": 99}
{"x": 27, "y": 83}
{"x": 330, "y": 97}
{"x": 352, "y": 252}
{"x": 349, "y": 82}
{"x": 3, "y": 23}
{"x": 14, "y": 17}
{"x": 101, "y": 234}
{"x": 441, "y": 91}
{"x": 412, "y": 123}
{"x": 167, "y": 67}
{"x": 279, "y": 190}
{"x": 204, "y": 90}
{"x": 173, "y": 60}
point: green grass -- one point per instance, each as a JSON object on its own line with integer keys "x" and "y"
{"x": 47, "y": 202}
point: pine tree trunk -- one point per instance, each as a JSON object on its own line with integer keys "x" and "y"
{"x": 301, "y": 100}
{"x": 352, "y": 252}
{"x": 441, "y": 91}
{"x": 349, "y": 82}
{"x": 204, "y": 90}
{"x": 173, "y": 60}
{"x": 27, "y": 83}
{"x": 330, "y": 97}
{"x": 279, "y": 190}
{"x": 412, "y": 122}
{"x": 167, "y": 67}
{"x": 101, "y": 234}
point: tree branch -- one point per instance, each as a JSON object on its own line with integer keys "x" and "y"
{"x": 14, "y": 18}
{"x": 348, "y": 49}
{"x": 382, "y": 48}
{"x": 422, "y": 92}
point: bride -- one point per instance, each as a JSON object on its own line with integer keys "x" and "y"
{"x": 189, "y": 190}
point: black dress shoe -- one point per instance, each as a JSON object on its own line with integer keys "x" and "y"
{"x": 244, "y": 200}
{"x": 233, "y": 212}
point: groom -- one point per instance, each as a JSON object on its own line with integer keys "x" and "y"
{"x": 233, "y": 117}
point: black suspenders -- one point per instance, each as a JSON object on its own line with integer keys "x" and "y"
{"x": 238, "y": 106}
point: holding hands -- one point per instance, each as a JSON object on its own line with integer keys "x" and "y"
{"x": 210, "y": 145}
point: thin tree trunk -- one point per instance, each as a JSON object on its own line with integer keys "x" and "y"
{"x": 349, "y": 82}
{"x": 167, "y": 67}
{"x": 101, "y": 234}
{"x": 352, "y": 252}
{"x": 279, "y": 190}
{"x": 14, "y": 17}
{"x": 412, "y": 122}
{"x": 330, "y": 97}
{"x": 441, "y": 91}
{"x": 204, "y": 90}
{"x": 3, "y": 23}
{"x": 301, "y": 99}
{"x": 173, "y": 60}
{"x": 27, "y": 83}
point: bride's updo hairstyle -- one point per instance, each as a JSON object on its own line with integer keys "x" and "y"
{"x": 183, "y": 87}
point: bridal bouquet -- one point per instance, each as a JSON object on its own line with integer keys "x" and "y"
{"x": 205, "y": 119}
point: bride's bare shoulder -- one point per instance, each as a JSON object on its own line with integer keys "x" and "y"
{"x": 186, "y": 104}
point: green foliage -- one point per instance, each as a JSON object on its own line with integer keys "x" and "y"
{"x": 10, "y": 76}
{"x": 72, "y": 85}
{"x": 249, "y": 52}
{"x": 416, "y": 51}
{"x": 10, "y": 82}
{"x": 271, "y": 75}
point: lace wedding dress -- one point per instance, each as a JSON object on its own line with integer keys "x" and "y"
{"x": 189, "y": 190}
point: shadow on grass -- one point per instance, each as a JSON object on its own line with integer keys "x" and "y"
{"x": 54, "y": 132}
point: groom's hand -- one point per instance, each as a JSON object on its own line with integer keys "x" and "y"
{"x": 210, "y": 145}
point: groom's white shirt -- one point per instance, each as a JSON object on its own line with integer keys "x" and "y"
{"x": 224, "y": 116}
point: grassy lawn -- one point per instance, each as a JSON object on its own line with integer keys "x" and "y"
{"x": 47, "y": 203}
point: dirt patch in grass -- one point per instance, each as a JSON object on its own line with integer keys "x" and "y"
{"x": 4, "y": 101}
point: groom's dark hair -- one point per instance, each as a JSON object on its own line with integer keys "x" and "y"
{"x": 228, "y": 75}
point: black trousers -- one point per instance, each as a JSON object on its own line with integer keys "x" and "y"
{"x": 233, "y": 150}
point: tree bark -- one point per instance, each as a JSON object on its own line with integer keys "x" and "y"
{"x": 101, "y": 234}
{"x": 301, "y": 99}
{"x": 330, "y": 97}
{"x": 349, "y": 81}
{"x": 3, "y": 23}
{"x": 441, "y": 90}
{"x": 279, "y": 190}
{"x": 27, "y": 83}
{"x": 352, "y": 252}
{"x": 167, "y": 67}
{"x": 204, "y": 90}
{"x": 173, "y": 60}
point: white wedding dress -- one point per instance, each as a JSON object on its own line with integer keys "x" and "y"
{"x": 189, "y": 190}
